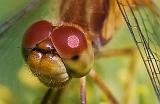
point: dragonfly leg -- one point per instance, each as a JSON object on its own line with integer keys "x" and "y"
{"x": 132, "y": 54}
{"x": 102, "y": 86}
{"x": 46, "y": 96}
{"x": 83, "y": 90}
{"x": 57, "y": 96}
{"x": 55, "y": 99}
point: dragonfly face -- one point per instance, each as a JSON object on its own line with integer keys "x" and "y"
{"x": 55, "y": 53}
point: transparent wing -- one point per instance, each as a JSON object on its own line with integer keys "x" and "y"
{"x": 144, "y": 27}
{"x": 10, "y": 20}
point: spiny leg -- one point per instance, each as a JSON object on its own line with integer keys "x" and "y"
{"x": 57, "y": 96}
{"x": 46, "y": 96}
{"x": 130, "y": 75}
{"x": 102, "y": 86}
{"x": 83, "y": 90}
{"x": 115, "y": 52}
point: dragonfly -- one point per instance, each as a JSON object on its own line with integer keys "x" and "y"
{"x": 97, "y": 18}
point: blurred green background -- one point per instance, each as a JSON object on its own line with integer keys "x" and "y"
{"x": 19, "y": 86}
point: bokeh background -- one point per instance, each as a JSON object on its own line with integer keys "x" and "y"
{"x": 19, "y": 86}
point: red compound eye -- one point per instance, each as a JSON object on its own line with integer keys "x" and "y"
{"x": 69, "y": 40}
{"x": 37, "y": 33}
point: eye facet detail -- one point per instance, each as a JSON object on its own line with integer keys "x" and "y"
{"x": 69, "y": 40}
{"x": 36, "y": 33}
{"x": 73, "y": 41}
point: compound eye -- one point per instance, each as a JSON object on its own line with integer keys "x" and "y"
{"x": 69, "y": 40}
{"x": 37, "y": 33}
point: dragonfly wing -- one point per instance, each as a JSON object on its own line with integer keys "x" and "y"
{"x": 11, "y": 20}
{"x": 113, "y": 19}
{"x": 143, "y": 24}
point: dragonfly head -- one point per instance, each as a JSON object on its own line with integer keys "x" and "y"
{"x": 57, "y": 53}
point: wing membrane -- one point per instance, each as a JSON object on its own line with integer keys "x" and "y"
{"x": 10, "y": 20}
{"x": 143, "y": 26}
